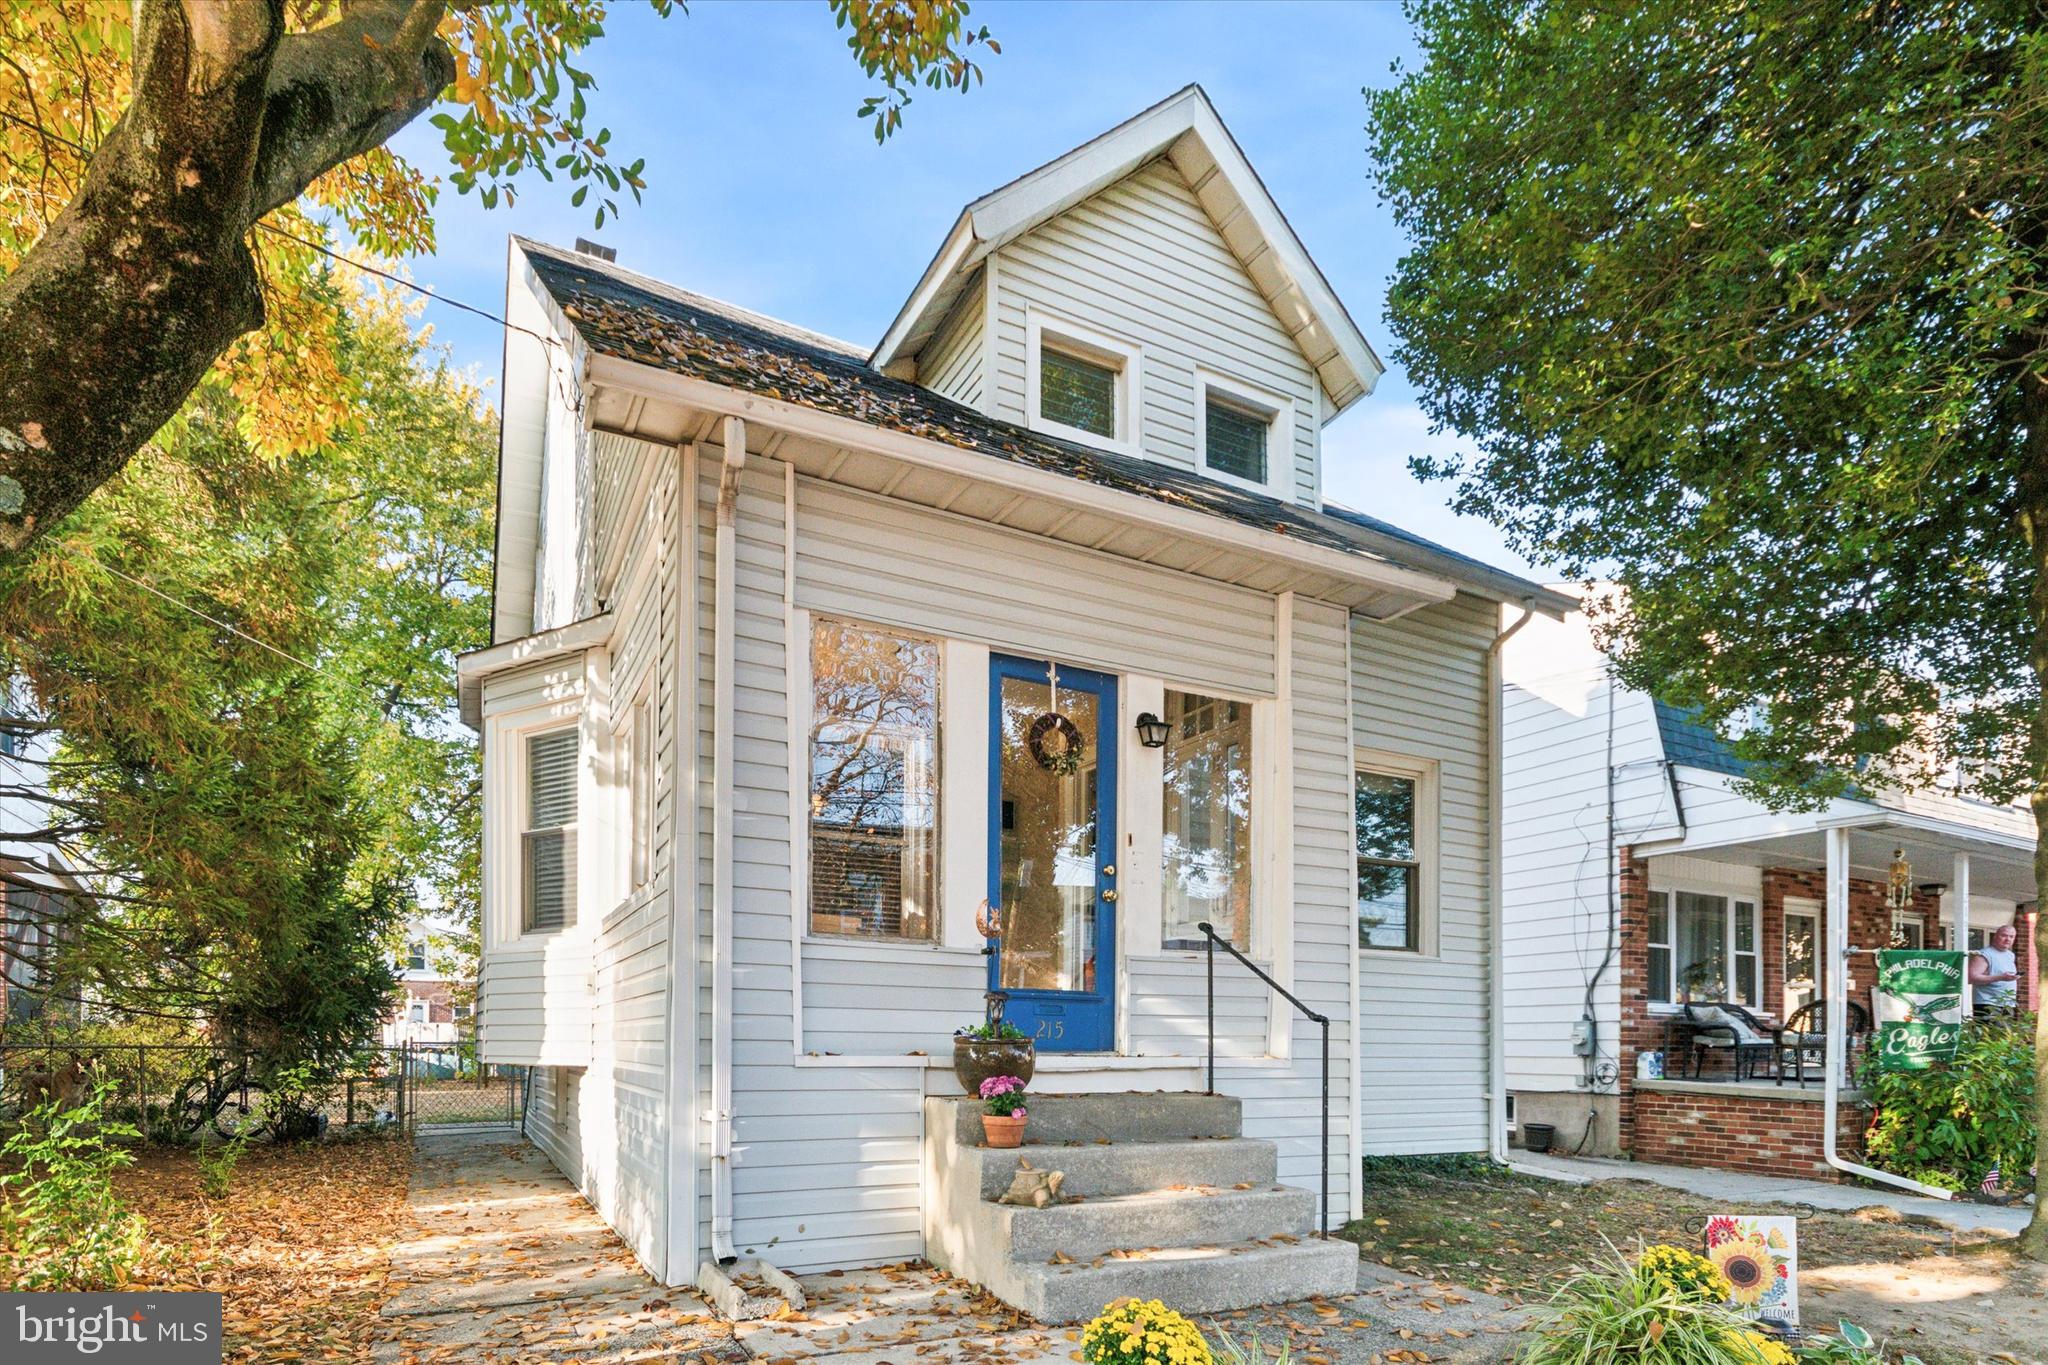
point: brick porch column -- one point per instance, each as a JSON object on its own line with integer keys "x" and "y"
{"x": 1639, "y": 1032}
{"x": 2024, "y": 959}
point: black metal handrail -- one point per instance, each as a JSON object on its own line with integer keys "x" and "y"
{"x": 1320, "y": 1020}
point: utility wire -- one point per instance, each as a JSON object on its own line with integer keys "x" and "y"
{"x": 228, "y": 626}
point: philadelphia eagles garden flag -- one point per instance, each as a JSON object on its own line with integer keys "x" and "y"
{"x": 1919, "y": 1007}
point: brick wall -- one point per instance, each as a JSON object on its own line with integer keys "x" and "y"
{"x": 1870, "y": 926}
{"x": 1741, "y": 1133}
{"x": 2023, "y": 953}
{"x": 1639, "y": 1031}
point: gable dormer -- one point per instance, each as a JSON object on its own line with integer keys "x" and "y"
{"x": 1142, "y": 294}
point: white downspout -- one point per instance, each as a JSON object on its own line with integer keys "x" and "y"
{"x": 1496, "y": 936}
{"x": 1838, "y": 1016}
{"x": 722, "y": 744}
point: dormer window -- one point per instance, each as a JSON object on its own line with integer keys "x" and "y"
{"x": 1081, "y": 383}
{"x": 1245, "y": 436}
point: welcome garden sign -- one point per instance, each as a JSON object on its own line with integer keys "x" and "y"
{"x": 1919, "y": 1007}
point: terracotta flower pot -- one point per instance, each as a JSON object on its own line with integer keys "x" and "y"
{"x": 1003, "y": 1130}
{"x": 977, "y": 1059}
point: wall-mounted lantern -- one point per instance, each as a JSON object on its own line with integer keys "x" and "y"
{"x": 1152, "y": 731}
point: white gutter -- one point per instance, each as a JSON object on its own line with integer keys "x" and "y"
{"x": 722, "y": 744}
{"x": 1496, "y": 935}
{"x": 1838, "y": 951}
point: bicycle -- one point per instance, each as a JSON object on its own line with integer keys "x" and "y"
{"x": 228, "y": 1097}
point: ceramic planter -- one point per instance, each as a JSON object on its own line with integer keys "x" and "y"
{"x": 1003, "y": 1130}
{"x": 977, "y": 1059}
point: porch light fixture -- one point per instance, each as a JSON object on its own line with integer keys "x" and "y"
{"x": 1152, "y": 731}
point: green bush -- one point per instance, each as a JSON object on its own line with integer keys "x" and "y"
{"x": 62, "y": 1227}
{"x": 1951, "y": 1124}
{"x": 1619, "y": 1312}
{"x": 217, "y": 1164}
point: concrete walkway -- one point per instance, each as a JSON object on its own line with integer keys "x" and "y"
{"x": 505, "y": 1261}
{"x": 1737, "y": 1189}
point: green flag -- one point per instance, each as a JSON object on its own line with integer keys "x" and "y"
{"x": 1919, "y": 1007}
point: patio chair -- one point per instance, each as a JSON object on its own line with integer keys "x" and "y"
{"x": 1807, "y": 1032}
{"x": 1726, "y": 1024}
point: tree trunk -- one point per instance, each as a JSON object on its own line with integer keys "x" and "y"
{"x": 2034, "y": 518}
{"x": 146, "y": 277}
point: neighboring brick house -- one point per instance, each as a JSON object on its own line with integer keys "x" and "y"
{"x": 1638, "y": 879}
{"x": 431, "y": 1010}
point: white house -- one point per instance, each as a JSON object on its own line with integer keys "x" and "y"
{"x": 38, "y": 889}
{"x": 1638, "y": 879}
{"x": 806, "y": 651}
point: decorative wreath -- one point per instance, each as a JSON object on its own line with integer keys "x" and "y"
{"x": 1056, "y": 743}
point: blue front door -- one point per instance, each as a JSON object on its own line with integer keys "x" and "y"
{"x": 1051, "y": 850}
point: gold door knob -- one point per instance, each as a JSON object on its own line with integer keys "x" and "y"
{"x": 1110, "y": 894}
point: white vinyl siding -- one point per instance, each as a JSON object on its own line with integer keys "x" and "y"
{"x": 1142, "y": 261}
{"x": 954, "y": 361}
{"x": 1419, "y": 690}
{"x": 554, "y": 1117}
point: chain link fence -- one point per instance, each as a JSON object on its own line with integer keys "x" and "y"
{"x": 180, "y": 1093}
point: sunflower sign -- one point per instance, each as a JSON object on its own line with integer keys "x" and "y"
{"x": 1760, "y": 1259}
{"x": 1919, "y": 1007}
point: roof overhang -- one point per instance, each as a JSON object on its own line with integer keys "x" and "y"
{"x": 528, "y": 651}
{"x": 1185, "y": 128}
{"x": 1395, "y": 588}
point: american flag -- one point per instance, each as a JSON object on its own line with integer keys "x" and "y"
{"x": 1990, "y": 1185}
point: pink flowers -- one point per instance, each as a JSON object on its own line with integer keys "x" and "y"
{"x": 1003, "y": 1095}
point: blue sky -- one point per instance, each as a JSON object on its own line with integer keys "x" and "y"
{"x": 765, "y": 190}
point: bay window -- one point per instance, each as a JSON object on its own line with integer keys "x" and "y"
{"x": 874, "y": 782}
{"x": 548, "y": 844}
{"x": 1206, "y": 839}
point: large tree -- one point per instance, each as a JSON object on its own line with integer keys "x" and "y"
{"x": 240, "y": 669}
{"x": 142, "y": 149}
{"x": 1743, "y": 304}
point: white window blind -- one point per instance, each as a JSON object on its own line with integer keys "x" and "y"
{"x": 550, "y": 838}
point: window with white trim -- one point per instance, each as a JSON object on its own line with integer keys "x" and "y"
{"x": 547, "y": 874}
{"x": 1241, "y": 437}
{"x": 1206, "y": 809}
{"x": 1395, "y": 837}
{"x": 1080, "y": 383}
{"x": 1704, "y": 947}
{"x": 874, "y": 782}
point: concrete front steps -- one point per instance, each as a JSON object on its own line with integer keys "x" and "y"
{"x": 1163, "y": 1199}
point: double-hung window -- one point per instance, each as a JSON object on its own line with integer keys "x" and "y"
{"x": 1704, "y": 947}
{"x": 1392, "y": 823}
{"x": 548, "y": 845}
{"x": 1206, "y": 838}
{"x": 874, "y": 782}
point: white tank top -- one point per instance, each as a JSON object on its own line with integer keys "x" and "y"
{"x": 1997, "y": 992}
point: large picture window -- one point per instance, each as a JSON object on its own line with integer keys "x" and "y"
{"x": 874, "y": 784}
{"x": 1704, "y": 947}
{"x": 1389, "y": 862}
{"x": 1207, "y": 834}
{"x": 548, "y": 845}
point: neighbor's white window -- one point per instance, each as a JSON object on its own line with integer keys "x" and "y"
{"x": 416, "y": 955}
{"x": 1207, "y": 834}
{"x": 1704, "y": 947}
{"x": 419, "y": 1012}
{"x": 874, "y": 782}
{"x": 1080, "y": 383}
{"x": 640, "y": 791}
{"x": 1242, "y": 437}
{"x": 548, "y": 845}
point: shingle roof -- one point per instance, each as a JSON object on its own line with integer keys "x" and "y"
{"x": 633, "y": 317}
{"x": 1693, "y": 744}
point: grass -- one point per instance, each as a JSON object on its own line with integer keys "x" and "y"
{"x": 1517, "y": 1235}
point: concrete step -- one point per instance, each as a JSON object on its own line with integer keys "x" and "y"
{"x": 1206, "y": 1279}
{"x": 1100, "y": 1169}
{"x": 1197, "y": 1216}
{"x": 1131, "y": 1116}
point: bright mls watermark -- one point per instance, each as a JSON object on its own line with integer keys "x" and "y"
{"x": 156, "y": 1329}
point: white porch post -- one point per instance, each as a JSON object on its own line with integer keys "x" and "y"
{"x": 1959, "y": 915}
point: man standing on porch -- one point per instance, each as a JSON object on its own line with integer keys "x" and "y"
{"x": 1993, "y": 970}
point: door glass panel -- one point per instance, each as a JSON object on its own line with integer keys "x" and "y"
{"x": 1049, "y": 824}
{"x": 1802, "y": 955}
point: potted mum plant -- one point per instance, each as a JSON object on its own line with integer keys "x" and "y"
{"x": 1002, "y": 1111}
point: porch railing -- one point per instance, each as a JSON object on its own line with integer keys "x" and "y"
{"x": 1321, "y": 1021}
